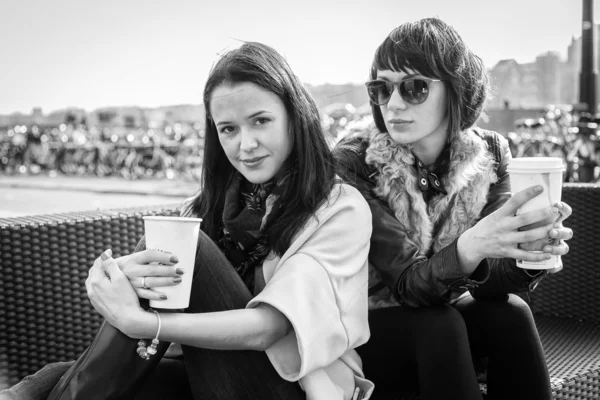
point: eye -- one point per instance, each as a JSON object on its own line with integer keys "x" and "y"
{"x": 261, "y": 120}
{"x": 227, "y": 129}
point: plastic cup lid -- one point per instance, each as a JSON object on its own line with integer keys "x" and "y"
{"x": 536, "y": 164}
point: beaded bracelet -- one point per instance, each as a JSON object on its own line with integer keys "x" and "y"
{"x": 145, "y": 352}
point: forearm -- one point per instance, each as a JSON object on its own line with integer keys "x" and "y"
{"x": 247, "y": 329}
{"x": 438, "y": 279}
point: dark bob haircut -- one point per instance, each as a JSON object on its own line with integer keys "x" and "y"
{"x": 434, "y": 49}
{"x": 312, "y": 181}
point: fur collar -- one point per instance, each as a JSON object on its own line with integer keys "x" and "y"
{"x": 471, "y": 171}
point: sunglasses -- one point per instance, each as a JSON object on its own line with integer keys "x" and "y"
{"x": 413, "y": 90}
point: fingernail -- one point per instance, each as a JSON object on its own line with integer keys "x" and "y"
{"x": 559, "y": 205}
{"x": 163, "y": 296}
{"x": 174, "y": 259}
{"x": 539, "y": 188}
{"x": 179, "y": 271}
{"x": 553, "y": 233}
{"x": 556, "y": 225}
{"x": 104, "y": 256}
{"x": 177, "y": 279}
{"x": 548, "y": 249}
{"x": 555, "y": 210}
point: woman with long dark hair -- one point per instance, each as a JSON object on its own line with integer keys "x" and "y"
{"x": 279, "y": 294}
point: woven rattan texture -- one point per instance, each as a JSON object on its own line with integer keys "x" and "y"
{"x": 573, "y": 354}
{"x": 575, "y": 291}
{"x": 45, "y": 314}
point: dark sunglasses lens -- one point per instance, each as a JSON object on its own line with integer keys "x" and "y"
{"x": 414, "y": 91}
{"x": 380, "y": 92}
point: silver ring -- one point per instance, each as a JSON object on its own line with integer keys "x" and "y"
{"x": 144, "y": 283}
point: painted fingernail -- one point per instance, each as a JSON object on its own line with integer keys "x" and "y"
{"x": 177, "y": 279}
{"x": 174, "y": 259}
{"x": 163, "y": 296}
{"x": 539, "y": 188}
{"x": 179, "y": 271}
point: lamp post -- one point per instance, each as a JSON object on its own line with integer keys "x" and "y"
{"x": 587, "y": 77}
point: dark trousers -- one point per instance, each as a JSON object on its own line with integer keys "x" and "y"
{"x": 204, "y": 374}
{"x": 433, "y": 350}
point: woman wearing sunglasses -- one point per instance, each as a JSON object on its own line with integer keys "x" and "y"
{"x": 445, "y": 235}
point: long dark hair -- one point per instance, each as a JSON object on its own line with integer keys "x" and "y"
{"x": 433, "y": 48}
{"x": 305, "y": 189}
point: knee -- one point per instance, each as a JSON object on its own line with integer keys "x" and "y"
{"x": 512, "y": 311}
{"x": 515, "y": 309}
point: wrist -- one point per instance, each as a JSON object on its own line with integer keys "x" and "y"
{"x": 143, "y": 325}
{"x": 468, "y": 253}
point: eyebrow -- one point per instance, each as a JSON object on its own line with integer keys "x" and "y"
{"x": 248, "y": 117}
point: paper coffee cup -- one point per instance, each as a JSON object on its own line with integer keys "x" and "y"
{"x": 178, "y": 236}
{"x": 548, "y": 173}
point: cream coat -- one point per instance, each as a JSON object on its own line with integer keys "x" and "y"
{"x": 321, "y": 285}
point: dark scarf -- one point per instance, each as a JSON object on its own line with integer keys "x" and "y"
{"x": 430, "y": 182}
{"x": 249, "y": 211}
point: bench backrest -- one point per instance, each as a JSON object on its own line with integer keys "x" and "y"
{"x": 575, "y": 291}
{"x": 45, "y": 315}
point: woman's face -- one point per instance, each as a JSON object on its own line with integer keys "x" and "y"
{"x": 420, "y": 125}
{"x": 253, "y": 128}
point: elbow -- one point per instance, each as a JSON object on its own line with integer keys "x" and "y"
{"x": 274, "y": 327}
{"x": 266, "y": 339}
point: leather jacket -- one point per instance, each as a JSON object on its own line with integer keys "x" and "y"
{"x": 422, "y": 275}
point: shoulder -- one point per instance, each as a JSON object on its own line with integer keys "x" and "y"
{"x": 345, "y": 198}
{"x": 351, "y": 149}
{"x": 344, "y": 209}
{"x": 350, "y": 159}
{"x": 497, "y": 144}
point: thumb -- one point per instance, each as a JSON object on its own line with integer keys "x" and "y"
{"x": 109, "y": 265}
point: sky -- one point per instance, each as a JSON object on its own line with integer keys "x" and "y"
{"x": 90, "y": 54}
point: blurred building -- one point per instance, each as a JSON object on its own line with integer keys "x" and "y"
{"x": 547, "y": 80}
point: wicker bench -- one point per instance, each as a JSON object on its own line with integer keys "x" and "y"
{"x": 45, "y": 315}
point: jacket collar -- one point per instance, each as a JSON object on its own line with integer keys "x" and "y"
{"x": 468, "y": 178}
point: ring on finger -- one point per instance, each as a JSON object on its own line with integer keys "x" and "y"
{"x": 144, "y": 283}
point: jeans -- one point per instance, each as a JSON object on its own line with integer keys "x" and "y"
{"x": 434, "y": 350}
{"x": 214, "y": 374}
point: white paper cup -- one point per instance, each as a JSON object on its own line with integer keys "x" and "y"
{"x": 531, "y": 171}
{"x": 178, "y": 236}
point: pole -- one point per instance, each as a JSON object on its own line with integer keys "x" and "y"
{"x": 587, "y": 77}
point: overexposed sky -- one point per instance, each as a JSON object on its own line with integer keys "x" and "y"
{"x": 89, "y": 53}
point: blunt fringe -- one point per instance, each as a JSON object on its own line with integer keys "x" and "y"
{"x": 313, "y": 180}
{"x": 434, "y": 49}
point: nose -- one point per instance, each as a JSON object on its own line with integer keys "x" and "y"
{"x": 248, "y": 140}
{"x": 396, "y": 101}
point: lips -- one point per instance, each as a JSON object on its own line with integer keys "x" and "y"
{"x": 398, "y": 121}
{"x": 252, "y": 161}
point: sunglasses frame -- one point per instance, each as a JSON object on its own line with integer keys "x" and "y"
{"x": 396, "y": 85}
